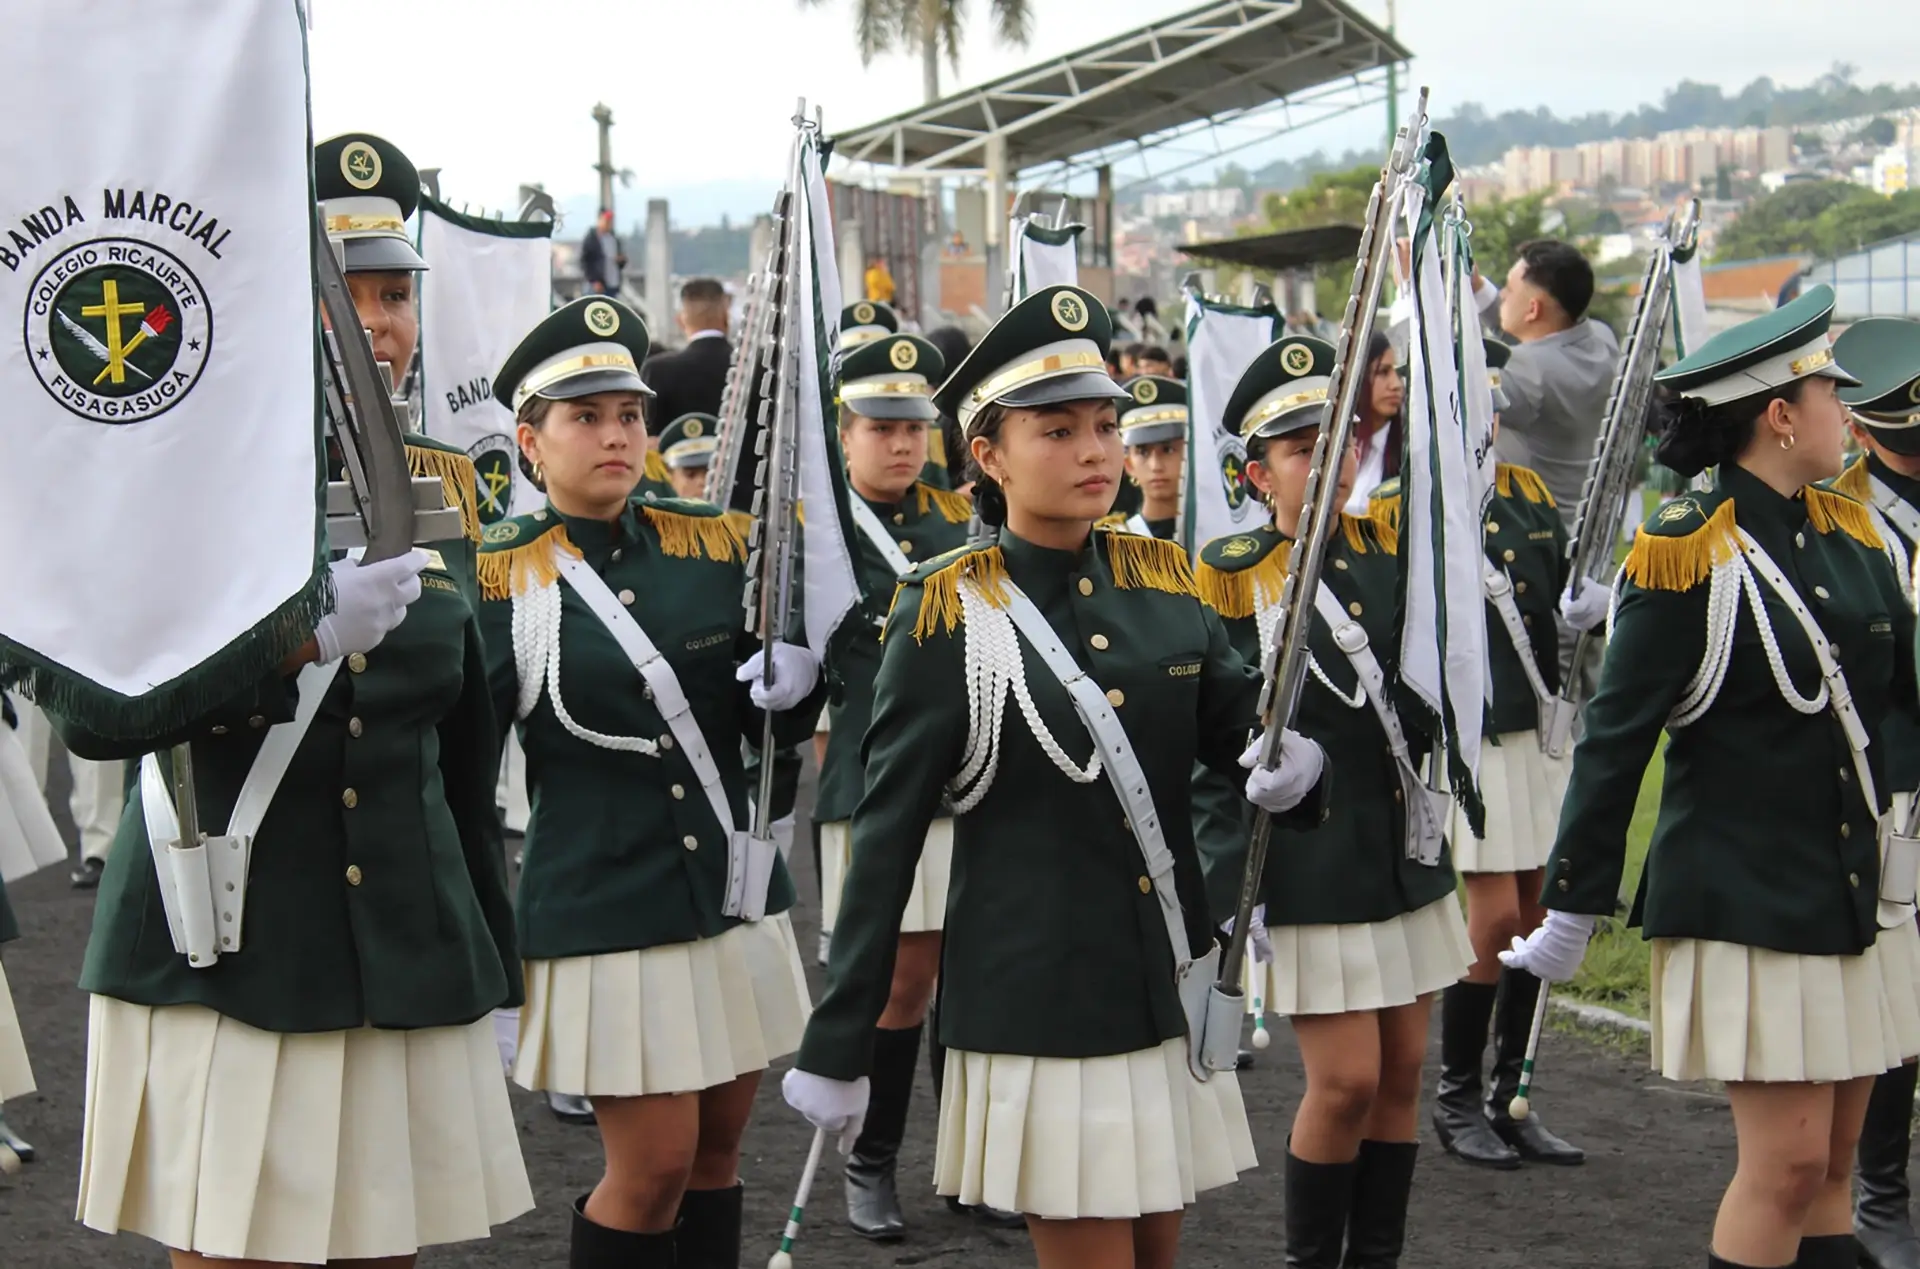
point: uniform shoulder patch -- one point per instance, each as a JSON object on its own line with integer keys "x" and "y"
{"x": 927, "y": 568}
{"x": 1238, "y": 551}
{"x": 1679, "y": 545}
{"x": 514, "y": 531}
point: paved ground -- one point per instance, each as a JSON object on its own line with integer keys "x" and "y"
{"x": 1658, "y": 1157}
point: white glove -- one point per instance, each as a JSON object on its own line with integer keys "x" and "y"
{"x": 1287, "y": 785}
{"x": 1256, "y": 933}
{"x": 835, "y": 1107}
{"x": 795, "y": 671}
{"x": 1553, "y": 952}
{"x": 369, "y": 601}
{"x": 1587, "y": 609}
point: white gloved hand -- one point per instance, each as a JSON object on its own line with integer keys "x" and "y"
{"x": 1287, "y": 785}
{"x": 795, "y": 671}
{"x": 1257, "y": 937}
{"x": 1553, "y": 952}
{"x": 835, "y": 1107}
{"x": 1587, "y": 609}
{"x": 369, "y": 601}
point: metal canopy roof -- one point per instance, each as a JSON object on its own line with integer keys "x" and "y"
{"x": 1210, "y": 66}
{"x": 1291, "y": 249}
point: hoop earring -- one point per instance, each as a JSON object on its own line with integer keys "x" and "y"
{"x": 1787, "y": 441}
{"x": 539, "y": 473}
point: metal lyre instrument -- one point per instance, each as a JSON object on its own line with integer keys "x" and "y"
{"x": 1616, "y": 457}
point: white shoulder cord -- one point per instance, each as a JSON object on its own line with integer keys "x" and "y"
{"x": 993, "y": 668}
{"x": 1266, "y": 618}
{"x": 1723, "y": 614}
{"x": 536, "y": 654}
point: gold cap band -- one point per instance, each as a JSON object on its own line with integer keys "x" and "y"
{"x": 857, "y": 389}
{"x": 862, "y": 334}
{"x": 366, "y": 225}
{"x": 1141, "y": 418}
{"x": 550, "y": 375}
{"x": 1811, "y": 362}
{"x": 1007, "y": 380}
{"x": 1274, "y": 409}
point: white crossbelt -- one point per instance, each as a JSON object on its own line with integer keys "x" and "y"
{"x": 203, "y": 884}
{"x": 1193, "y": 979}
{"x": 1895, "y": 512}
{"x": 749, "y": 858}
{"x": 1424, "y": 817}
{"x": 869, "y": 524}
{"x": 1500, "y": 594}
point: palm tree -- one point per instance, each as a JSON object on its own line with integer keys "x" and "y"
{"x": 932, "y": 27}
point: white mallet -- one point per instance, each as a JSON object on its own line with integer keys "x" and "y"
{"x": 1261, "y": 1036}
{"x": 1521, "y": 1106}
{"x": 783, "y": 1259}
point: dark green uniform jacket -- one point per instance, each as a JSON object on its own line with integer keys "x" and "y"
{"x": 1764, "y": 838}
{"x": 925, "y": 523}
{"x": 1526, "y": 537}
{"x": 1899, "y": 737}
{"x": 623, "y": 852}
{"x": 377, "y": 892}
{"x": 1353, "y": 867}
{"x": 1055, "y": 946}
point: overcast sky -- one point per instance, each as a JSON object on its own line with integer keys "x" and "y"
{"x": 497, "y": 92}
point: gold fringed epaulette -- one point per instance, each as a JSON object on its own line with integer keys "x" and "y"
{"x": 456, "y": 476}
{"x": 1508, "y": 476}
{"x": 1828, "y": 511}
{"x": 1234, "y": 594}
{"x": 940, "y": 590}
{"x": 1150, "y": 564}
{"x": 655, "y": 467}
{"x": 1355, "y": 529}
{"x": 953, "y": 508}
{"x": 1112, "y": 520}
{"x": 1856, "y": 481}
{"x": 741, "y": 521}
{"x": 1384, "y": 511}
{"x": 1682, "y": 561}
{"x": 690, "y": 534}
{"x": 515, "y": 570}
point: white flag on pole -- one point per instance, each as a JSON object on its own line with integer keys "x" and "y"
{"x": 160, "y": 493}
{"x": 1222, "y": 341}
{"x": 1689, "y": 302}
{"x": 487, "y": 283}
{"x": 1445, "y": 481}
{"x": 1044, "y": 256}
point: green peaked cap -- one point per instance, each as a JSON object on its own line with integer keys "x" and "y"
{"x": 1283, "y": 389}
{"x": 367, "y": 189}
{"x": 890, "y": 377}
{"x": 1157, "y": 412}
{"x": 863, "y": 320}
{"x": 594, "y": 344}
{"x": 1885, "y": 353}
{"x": 1050, "y": 347}
{"x": 1760, "y": 355}
{"x": 689, "y": 441}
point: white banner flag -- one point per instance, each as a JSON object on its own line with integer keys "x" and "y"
{"x": 1445, "y": 482}
{"x": 1689, "y": 303}
{"x": 487, "y": 283}
{"x": 1043, "y": 256}
{"x": 160, "y": 493}
{"x": 1222, "y": 341}
{"x": 832, "y": 586}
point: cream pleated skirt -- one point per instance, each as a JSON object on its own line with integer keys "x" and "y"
{"x": 207, "y": 1135}
{"x": 29, "y": 841}
{"x": 1727, "y": 1012}
{"x": 1348, "y": 968}
{"x": 672, "y": 1019}
{"x": 1111, "y": 1138}
{"x": 16, "y": 1077}
{"x": 926, "y": 906}
{"x": 1523, "y": 789}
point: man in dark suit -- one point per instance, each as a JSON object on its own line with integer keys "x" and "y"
{"x": 691, "y": 380}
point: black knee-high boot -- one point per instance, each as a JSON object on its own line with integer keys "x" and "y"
{"x": 1828, "y": 1251}
{"x": 709, "y": 1228}
{"x": 1319, "y": 1196}
{"x": 1512, "y": 1027}
{"x": 1458, "y": 1116}
{"x": 1880, "y": 1217}
{"x": 873, "y": 1203}
{"x": 597, "y": 1247}
{"x": 1377, "y": 1219}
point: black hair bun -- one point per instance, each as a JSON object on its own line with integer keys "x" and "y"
{"x": 989, "y": 502}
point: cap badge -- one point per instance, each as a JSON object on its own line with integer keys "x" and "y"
{"x": 903, "y": 355}
{"x": 1296, "y": 359}
{"x": 1679, "y": 509}
{"x": 1146, "y": 392}
{"x": 1913, "y": 393}
{"x": 360, "y": 164}
{"x": 1237, "y": 547}
{"x": 1069, "y": 311}
{"x": 863, "y": 312}
{"x": 692, "y": 428}
{"x": 601, "y": 318}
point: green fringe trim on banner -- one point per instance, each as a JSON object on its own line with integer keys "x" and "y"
{"x": 174, "y": 705}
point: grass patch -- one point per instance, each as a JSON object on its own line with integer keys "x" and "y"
{"x": 1614, "y": 973}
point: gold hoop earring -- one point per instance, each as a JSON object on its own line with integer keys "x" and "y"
{"x": 539, "y": 473}
{"x": 1787, "y": 441}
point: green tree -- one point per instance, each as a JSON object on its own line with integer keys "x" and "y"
{"x": 1500, "y": 226}
{"x": 930, "y": 27}
{"x": 1783, "y": 223}
{"x": 1861, "y": 222}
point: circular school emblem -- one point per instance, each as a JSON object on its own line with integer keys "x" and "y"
{"x": 601, "y": 318}
{"x": 360, "y": 165}
{"x": 1679, "y": 509}
{"x": 1069, "y": 311}
{"x": 903, "y": 354}
{"x": 505, "y": 531}
{"x": 1296, "y": 359}
{"x": 863, "y": 312}
{"x": 1913, "y": 393}
{"x": 1146, "y": 391}
{"x": 493, "y": 471}
{"x": 692, "y": 429}
{"x": 117, "y": 331}
{"x": 1238, "y": 547}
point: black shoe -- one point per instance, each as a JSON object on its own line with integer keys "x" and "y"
{"x": 1318, "y": 1198}
{"x": 1377, "y": 1220}
{"x": 569, "y": 1108}
{"x": 1828, "y": 1251}
{"x": 708, "y": 1233}
{"x": 873, "y": 1201}
{"x": 594, "y": 1246}
{"x": 991, "y": 1217}
{"x": 11, "y": 1140}
{"x": 1880, "y": 1218}
{"x": 1243, "y": 1060}
{"x": 1465, "y": 1009}
{"x": 1512, "y": 1026}
{"x": 87, "y": 875}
